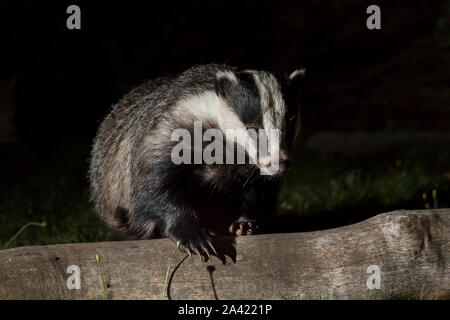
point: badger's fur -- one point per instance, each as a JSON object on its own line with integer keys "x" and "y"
{"x": 140, "y": 192}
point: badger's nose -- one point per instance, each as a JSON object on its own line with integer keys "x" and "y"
{"x": 277, "y": 167}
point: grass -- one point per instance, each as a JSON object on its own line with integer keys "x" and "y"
{"x": 29, "y": 224}
{"x": 378, "y": 180}
{"x": 68, "y": 215}
{"x": 166, "y": 280}
{"x": 372, "y": 174}
{"x": 334, "y": 188}
{"x": 54, "y": 190}
{"x": 97, "y": 257}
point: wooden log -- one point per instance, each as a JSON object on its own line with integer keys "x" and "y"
{"x": 409, "y": 252}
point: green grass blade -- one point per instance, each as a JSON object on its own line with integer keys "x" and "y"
{"x": 39, "y": 224}
{"x": 168, "y": 269}
{"x": 97, "y": 257}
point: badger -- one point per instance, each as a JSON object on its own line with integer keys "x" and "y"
{"x": 139, "y": 190}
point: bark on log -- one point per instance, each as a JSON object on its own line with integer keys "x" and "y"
{"x": 410, "y": 248}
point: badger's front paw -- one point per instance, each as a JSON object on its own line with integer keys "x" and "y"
{"x": 243, "y": 226}
{"x": 193, "y": 239}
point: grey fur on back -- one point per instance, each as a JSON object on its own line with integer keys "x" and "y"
{"x": 119, "y": 141}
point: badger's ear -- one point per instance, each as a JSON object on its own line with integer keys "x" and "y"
{"x": 297, "y": 74}
{"x": 225, "y": 81}
{"x": 293, "y": 80}
{"x": 292, "y": 83}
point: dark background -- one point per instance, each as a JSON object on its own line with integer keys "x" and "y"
{"x": 60, "y": 83}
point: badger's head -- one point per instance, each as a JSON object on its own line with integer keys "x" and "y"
{"x": 251, "y": 111}
{"x": 266, "y": 109}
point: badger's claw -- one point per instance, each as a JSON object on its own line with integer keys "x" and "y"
{"x": 212, "y": 247}
{"x": 205, "y": 250}
{"x": 196, "y": 240}
{"x": 243, "y": 226}
{"x": 189, "y": 253}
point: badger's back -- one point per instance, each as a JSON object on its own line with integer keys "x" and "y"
{"x": 118, "y": 143}
{"x": 111, "y": 156}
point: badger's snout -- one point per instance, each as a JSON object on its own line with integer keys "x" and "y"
{"x": 276, "y": 164}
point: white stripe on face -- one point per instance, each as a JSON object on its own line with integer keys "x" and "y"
{"x": 273, "y": 112}
{"x": 208, "y": 106}
{"x": 227, "y": 75}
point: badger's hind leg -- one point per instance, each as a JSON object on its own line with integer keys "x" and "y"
{"x": 243, "y": 226}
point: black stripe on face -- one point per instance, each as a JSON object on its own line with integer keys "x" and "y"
{"x": 243, "y": 98}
